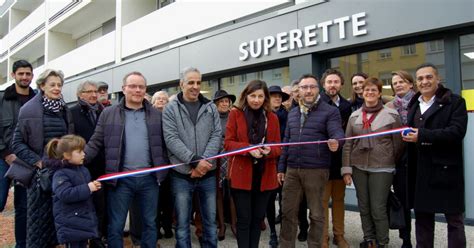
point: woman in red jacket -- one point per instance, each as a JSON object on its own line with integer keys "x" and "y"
{"x": 253, "y": 174}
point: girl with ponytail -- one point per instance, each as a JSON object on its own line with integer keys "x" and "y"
{"x": 74, "y": 213}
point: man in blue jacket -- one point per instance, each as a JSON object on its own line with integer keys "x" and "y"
{"x": 305, "y": 169}
{"x": 132, "y": 137}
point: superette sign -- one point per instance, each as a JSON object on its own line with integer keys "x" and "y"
{"x": 300, "y": 38}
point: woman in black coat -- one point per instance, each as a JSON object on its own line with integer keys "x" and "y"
{"x": 42, "y": 118}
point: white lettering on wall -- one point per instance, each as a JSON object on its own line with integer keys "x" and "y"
{"x": 243, "y": 51}
{"x": 342, "y": 27}
{"x": 268, "y": 42}
{"x": 281, "y": 42}
{"x": 356, "y": 24}
{"x": 324, "y": 26}
{"x": 295, "y": 38}
{"x": 310, "y": 32}
{"x": 303, "y": 38}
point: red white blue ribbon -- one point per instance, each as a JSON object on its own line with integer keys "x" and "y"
{"x": 123, "y": 174}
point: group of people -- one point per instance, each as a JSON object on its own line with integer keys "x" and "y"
{"x": 68, "y": 148}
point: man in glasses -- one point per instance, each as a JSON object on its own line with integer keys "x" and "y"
{"x": 305, "y": 169}
{"x": 84, "y": 116}
{"x": 131, "y": 135}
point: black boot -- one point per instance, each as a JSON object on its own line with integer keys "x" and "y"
{"x": 368, "y": 244}
{"x": 407, "y": 243}
{"x": 273, "y": 240}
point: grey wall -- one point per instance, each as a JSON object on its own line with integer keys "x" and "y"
{"x": 219, "y": 50}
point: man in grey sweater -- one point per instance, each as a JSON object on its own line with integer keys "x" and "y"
{"x": 192, "y": 132}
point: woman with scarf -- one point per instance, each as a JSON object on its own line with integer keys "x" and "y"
{"x": 44, "y": 117}
{"x": 370, "y": 162}
{"x": 252, "y": 174}
{"x": 403, "y": 87}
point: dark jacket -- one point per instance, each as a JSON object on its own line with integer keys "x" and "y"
{"x": 345, "y": 111}
{"x": 9, "y": 108}
{"x": 324, "y": 122}
{"x": 74, "y": 213}
{"x": 34, "y": 129}
{"x": 84, "y": 127}
{"x": 109, "y": 135}
{"x": 240, "y": 166}
{"x": 282, "y": 114}
{"x": 435, "y": 161}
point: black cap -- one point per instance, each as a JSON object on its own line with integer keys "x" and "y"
{"x": 221, "y": 94}
{"x": 102, "y": 85}
{"x": 276, "y": 89}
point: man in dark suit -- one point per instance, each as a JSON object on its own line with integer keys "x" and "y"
{"x": 435, "y": 157}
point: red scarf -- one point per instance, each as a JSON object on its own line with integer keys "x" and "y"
{"x": 368, "y": 122}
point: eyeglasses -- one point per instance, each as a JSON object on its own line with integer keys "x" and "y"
{"x": 134, "y": 86}
{"x": 90, "y": 91}
{"x": 306, "y": 87}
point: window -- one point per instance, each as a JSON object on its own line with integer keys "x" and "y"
{"x": 435, "y": 46}
{"x": 466, "y": 43}
{"x": 385, "y": 53}
{"x": 386, "y": 78}
{"x": 243, "y": 78}
{"x": 409, "y": 50}
{"x": 277, "y": 76}
{"x": 162, "y": 3}
{"x": 375, "y": 66}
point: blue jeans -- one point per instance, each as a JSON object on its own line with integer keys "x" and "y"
{"x": 19, "y": 202}
{"x": 145, "y": 191}
{"x": 182, "y": 190}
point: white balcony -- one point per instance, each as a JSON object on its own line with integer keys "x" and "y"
{"x": 184, "y": 18}
{"x": 28, "y": 29}
{"x": 89, "y": 56}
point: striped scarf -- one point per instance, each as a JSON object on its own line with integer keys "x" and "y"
{"x": 53, "y": 105}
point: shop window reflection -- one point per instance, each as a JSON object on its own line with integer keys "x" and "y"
{"x": 380, "y": 63}
{"x": 466, "y": 43}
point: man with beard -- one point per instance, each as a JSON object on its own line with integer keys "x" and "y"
{"x": 335, "y": 187}
{"x": 103, "y": 95}
{"x": 305, "y": 169}
{"x": 10, "y": 102}
{"x": 85, "y": 115}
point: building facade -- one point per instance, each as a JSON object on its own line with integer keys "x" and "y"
{"x": 233, "y": 42}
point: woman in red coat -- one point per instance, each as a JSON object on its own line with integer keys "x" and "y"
{"x": 253, "y": 174}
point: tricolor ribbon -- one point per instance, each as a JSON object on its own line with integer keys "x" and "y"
{"x": 123, "y": 174}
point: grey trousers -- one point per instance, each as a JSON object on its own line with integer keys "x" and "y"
{"x": 372, "y": 190}
{"x": 312, "y": 183}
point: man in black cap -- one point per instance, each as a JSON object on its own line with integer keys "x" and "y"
{"x": 277, "y": 97}
{"x": 103, "y": 97}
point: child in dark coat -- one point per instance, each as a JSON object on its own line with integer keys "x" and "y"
{"x": 74, "y": 213}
